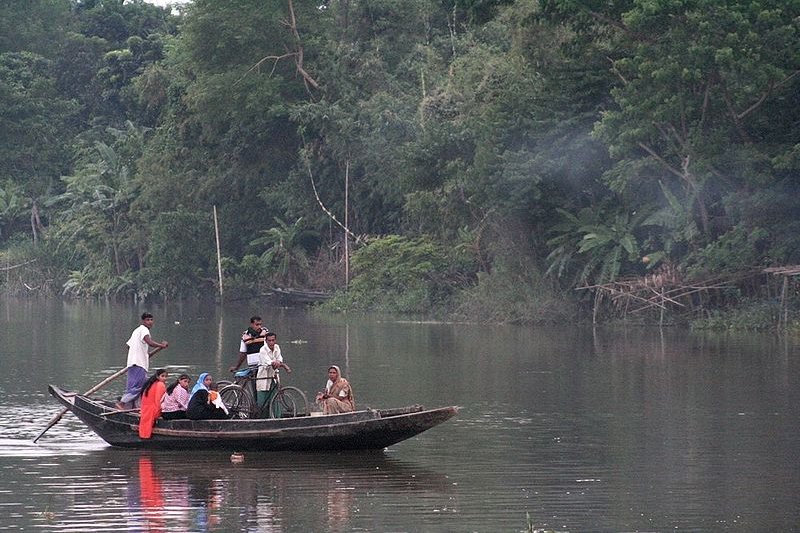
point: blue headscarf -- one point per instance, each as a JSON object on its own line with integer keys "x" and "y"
{"x": 199, "y": 385}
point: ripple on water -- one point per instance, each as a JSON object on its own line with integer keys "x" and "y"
{"x": 22, "y": 423}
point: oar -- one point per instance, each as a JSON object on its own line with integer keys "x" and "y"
{"x": 94, "y": 389}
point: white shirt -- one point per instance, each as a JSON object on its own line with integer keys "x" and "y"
{"x": 265, "y": 370}
{"x": 137, "y": 348}
{"x": 329, "y": 384}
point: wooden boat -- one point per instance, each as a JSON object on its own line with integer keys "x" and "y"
{"x": 359, "y": 430}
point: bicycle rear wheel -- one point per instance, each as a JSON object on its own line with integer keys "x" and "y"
{"x": 239, "y": 402}
{"x": 288, "y": 402}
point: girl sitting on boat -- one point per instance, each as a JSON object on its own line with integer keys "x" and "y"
{"x": 152, "y": 392}
{"x": 176, "y": 400}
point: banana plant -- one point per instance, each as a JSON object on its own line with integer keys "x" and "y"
{"x": 11, "y": 206}
{"x": 677, "y": 223}
{"x": 603, "y": 248}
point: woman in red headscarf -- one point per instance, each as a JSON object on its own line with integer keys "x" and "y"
{"x": 152, "y": 392}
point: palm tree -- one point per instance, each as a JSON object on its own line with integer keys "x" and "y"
{"x": 286, "y": 255}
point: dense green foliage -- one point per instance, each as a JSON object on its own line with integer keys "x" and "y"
{"x": 404, "y": 275}
{"x": 487, "y": 157}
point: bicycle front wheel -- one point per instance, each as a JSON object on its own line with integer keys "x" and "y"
{"x": 288, "y": 402}
{"x": 239, "y": 402}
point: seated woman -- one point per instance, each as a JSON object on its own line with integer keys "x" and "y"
{"x": 176, "y": 400}
{"x": 152, "y": 392}
{"x": 338, "y": 395}
{"x": 201, "y": 403}
{"x": 204, "y": 382}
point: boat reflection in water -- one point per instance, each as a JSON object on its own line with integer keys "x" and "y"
{"x": 268, "y": 492}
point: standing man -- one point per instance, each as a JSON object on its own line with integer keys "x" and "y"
{"x": 270, "y": 361}
{"x": 252, "y": 340}
{"x": 139, "y": 361}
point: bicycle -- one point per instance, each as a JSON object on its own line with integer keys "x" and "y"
{"x": 240, "y": 397}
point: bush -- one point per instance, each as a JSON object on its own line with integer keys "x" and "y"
{"x": 398, "y": 274}
{"x": 752, "y": 315}
{"x": 514, "y": 293}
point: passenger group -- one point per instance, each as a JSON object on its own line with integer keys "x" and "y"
{"x": 258, "y": 347}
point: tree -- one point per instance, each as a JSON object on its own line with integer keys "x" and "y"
{"x": 287, "y": 251}
{"x": 180, "y": 260}
{"x": 34, "y": 121}
{"x": 706, "y": 116}
{"x": 225, "y": 130}
{"x": 35, "y": 26}
{"x": 95, "y": 212}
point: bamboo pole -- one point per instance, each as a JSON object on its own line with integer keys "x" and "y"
{"x": 219, "y": 255}
{"x": 346, "y": 213}
{"x": 783, "y": 315}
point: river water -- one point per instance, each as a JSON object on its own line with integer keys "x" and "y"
{"x": 561, "y": 429}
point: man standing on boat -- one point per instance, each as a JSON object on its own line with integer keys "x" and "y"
{"x": 252, "y": 340}
{"x": 270, "y": 361}
{"x": 139, "y": 361}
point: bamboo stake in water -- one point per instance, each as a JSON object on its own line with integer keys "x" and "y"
{"x": 219, "y": 256}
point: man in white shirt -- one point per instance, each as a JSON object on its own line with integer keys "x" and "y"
{"x": 139, "y": 361}
{"x": 270, "y": 361}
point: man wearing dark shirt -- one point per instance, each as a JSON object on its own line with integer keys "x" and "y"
{"x": 252, "y": 340}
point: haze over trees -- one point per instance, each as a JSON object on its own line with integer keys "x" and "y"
{"x": 488, "y": 157}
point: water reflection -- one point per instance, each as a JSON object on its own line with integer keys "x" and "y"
{"x": 206, "y": 492}
{"x": 151, "y": 498}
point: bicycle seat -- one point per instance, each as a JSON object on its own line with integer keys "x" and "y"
{"x": 243, "y": 373}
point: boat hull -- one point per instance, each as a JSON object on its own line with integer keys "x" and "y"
{"x": 360, "y": 430}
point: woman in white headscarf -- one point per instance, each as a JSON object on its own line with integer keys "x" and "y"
{"x": 338, "y": 395}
